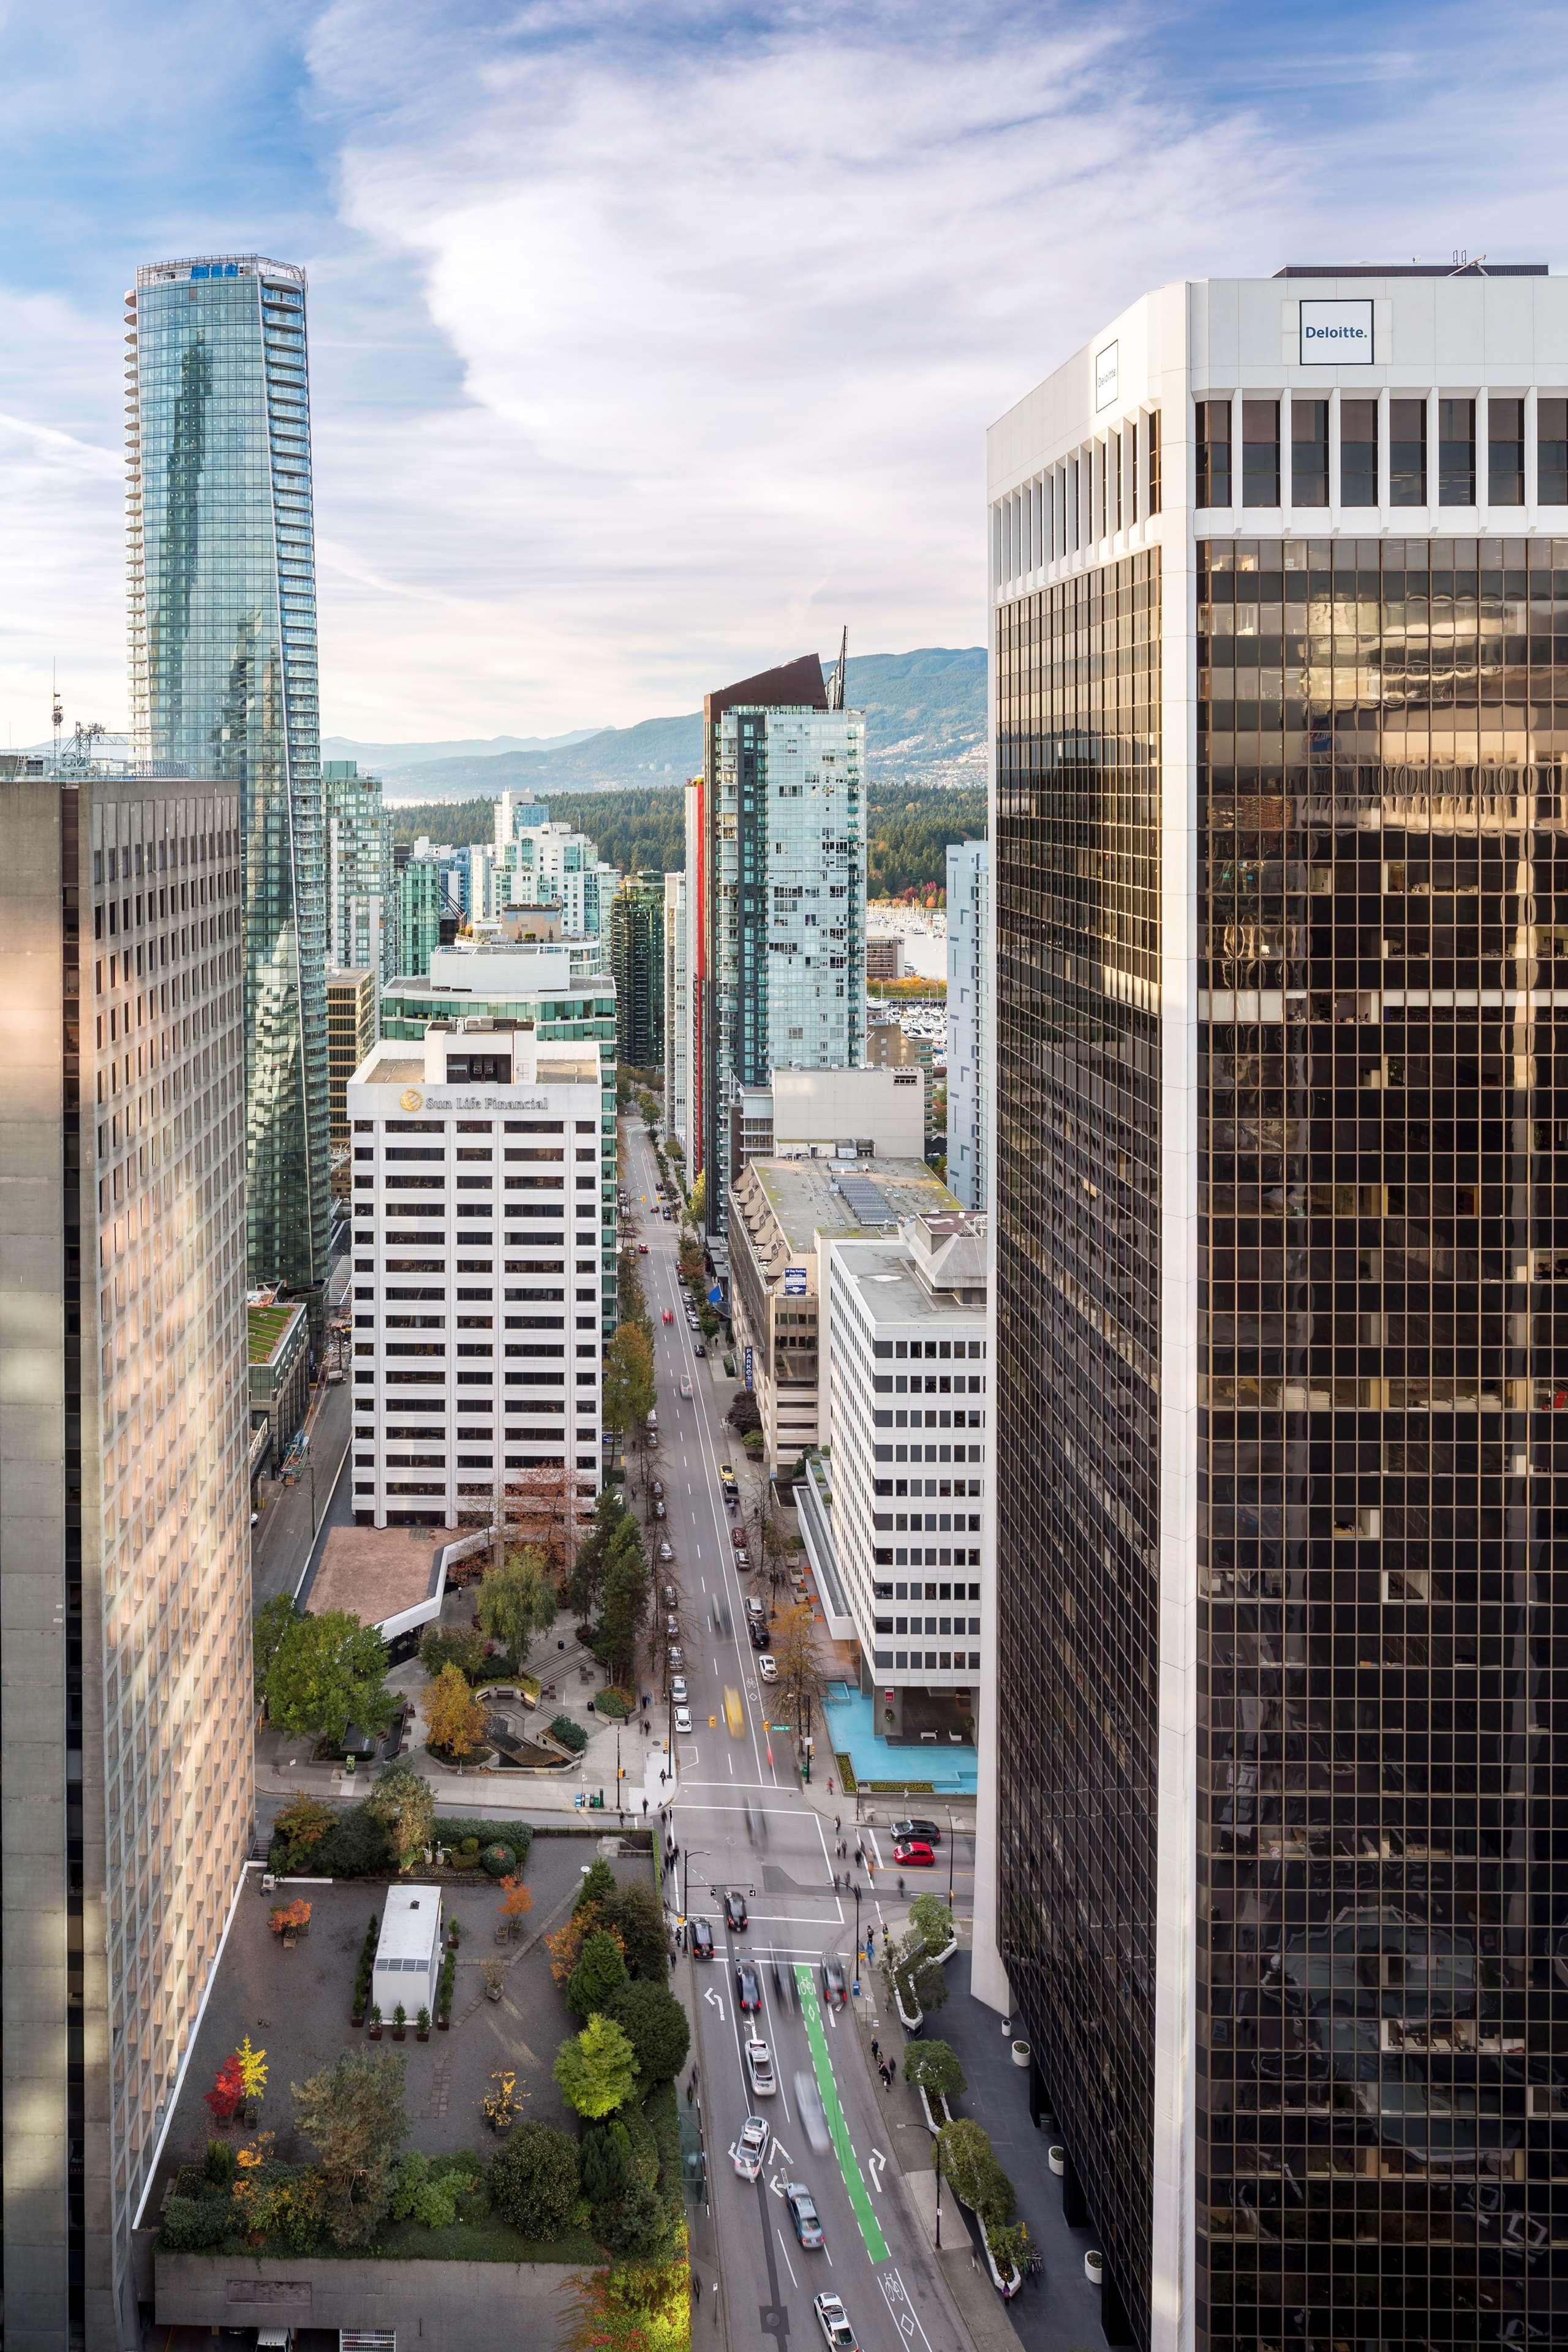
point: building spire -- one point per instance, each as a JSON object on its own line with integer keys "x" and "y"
{"x": 836, "y": 675}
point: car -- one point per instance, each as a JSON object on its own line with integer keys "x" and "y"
{"x": 750, "y": 2152}
{"x": 701, "y": 1940}
{"x": 767, "y": 1666}
{"x": 669, "y": 1315}
{"x": 736, "y": 1915}
{"x": 668, "y": 1214}
{"x": 743, "y": 1557}
{"x": 802, "y": 2214}
{"x": 929, "y": 1831}
{"x": 699, "y": 1349}
{"x": 727, "y": 1473}
{"x": 686, "y": 1384}
{"x": 755, "y": 1609}
{"x": 677, "y": 1657}
{"x": 914, "y": 1855}
{"x": 760, "y": 2068}
{"x": 660, "y": 1511}
{"x": 666, "y": 1551}
{"x": 642, "y": 1249}
{"x": 835, "y": 1989}
{"x": 656, "y": 1487}
{"x": 758, "y": 1634}
{"x": 669, "y": 1596}
{"x": 808, "y": 2111}
{"x": 672, "y": 1626}
{"x": 834, "y": 2322}
{"x": 748, "y": 1987}
{"x": 683, "y": 1718}
{"x": 736, "y": 1538}
{"x": 678, "y": 1689}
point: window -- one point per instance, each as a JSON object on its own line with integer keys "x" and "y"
{"x": 1408, "y": 452}
{"x": 1260, "y": 453}
{"x": 1310, "y": 452}
{"x": 1358, "y": 453}
{"x": 1214, "y": 452}
{"x": 1154, "y": 429}
{"x": 1456, "y": 453}
{"x": 1551, "y": 453}
{"x": 1505, "y": 452}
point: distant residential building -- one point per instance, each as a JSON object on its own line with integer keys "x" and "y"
{"x": 677, "y": 1012}
{"x": 478, "y": 1164}
{"x": 829, "y": 1114}
{"x": 968, "y": 999}
{"x": 888, "y": 1047}
{"x": 552, "y": 863}
{"x": 698, "y": 994}
{"x": 279, "y": 1374}
{"x": 516, "y": 811}
{"x": 126, "y": 1727}
{"x": 781, "y": 1215}
{"x": 353, "y": 1000}
{"x": 362, "y": 883}
{"x": 421, "y": 903}
{"x": 884, "y": 958}
{"x": 637, "y": 960}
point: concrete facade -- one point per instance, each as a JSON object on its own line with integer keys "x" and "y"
{"x": 968, "y": 1005}
{"x": 447, "y": 2306}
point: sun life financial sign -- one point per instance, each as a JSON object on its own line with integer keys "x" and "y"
{"x": 1336, "y": 335}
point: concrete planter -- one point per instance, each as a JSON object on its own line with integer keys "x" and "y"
{"x": 1005, "y": 2283}
{"x": 1057, "y": 2158}
{"x": 947, "y": 1951}
{"x": 911, "y": 2020}
{"x": 933, "y": 2122}
{"x": 1094, "y": 2266}
{"x": 1021, "y": 2053}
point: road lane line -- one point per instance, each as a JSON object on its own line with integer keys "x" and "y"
{"x": 788, "y": 2264}
{"x": 848, "y": 2163}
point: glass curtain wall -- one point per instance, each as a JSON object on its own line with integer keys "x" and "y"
{"x": 223, "y": 655}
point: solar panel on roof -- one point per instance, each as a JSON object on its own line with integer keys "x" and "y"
{"x": 868, "y": 1203}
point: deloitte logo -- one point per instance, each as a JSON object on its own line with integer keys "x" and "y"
{"x": 1336, "y": 335}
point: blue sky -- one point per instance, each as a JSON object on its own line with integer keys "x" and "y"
{"x": 651, "y": 342}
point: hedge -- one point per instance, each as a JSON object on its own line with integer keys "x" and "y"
{"x": 518, "y": 1835}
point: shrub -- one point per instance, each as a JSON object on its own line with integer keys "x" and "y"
{"x": 220, "y": 2167}
{"x": 605, "y": 2162}
{"x": 643, "y": 2148}
{"x": 409, "y": 2174}
{"x": 978, "y": 2180}
{"x": 469, "y": 1845}
{"x": 534, "y": 2180}
{"x": 498, "y": 1861}
{"x": 454, "y": 1833}
{"x": 599, "y": 1972}
{"x": 636, "y": 2223}
{"x": 599, "y": 1882}
{"x": 436, "y": 2204}
{"x": 613, "y": 1703}
{"x": 195, "y": 2225}
{"x": 935, "y": 2068}
{"x": 931, "y": 1917}
{"x": 569, "y": 1735}
{"x": 754, "y": 1444}
{"x": 356, "y": 1846}
{"x": 657, "y": 2027}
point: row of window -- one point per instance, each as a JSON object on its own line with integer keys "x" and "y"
{"x": 936, "y": 1661}
{"x": 1412, "y": 480}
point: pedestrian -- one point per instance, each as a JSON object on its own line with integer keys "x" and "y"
{"x": 696, "y": 2288}
{"x": 830, "y": 1784}
{"x": 838, "y": 1823}
{"x": 644, "y": 1809}
{"x": 690, "y": 2094}
{"x": 876, "y": 2050}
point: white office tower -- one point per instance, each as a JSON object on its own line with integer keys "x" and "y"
{"x": 907, "y": 1357}
{"x": 968, "y": 1097}
{"x": 677, "y": 1011}
{"x": 477, "y": 1346}
{"x": 551, "y": 865}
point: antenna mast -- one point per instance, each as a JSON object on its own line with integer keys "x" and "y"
{"x": 58, "y": 708}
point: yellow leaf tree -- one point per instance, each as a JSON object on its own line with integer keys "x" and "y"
{"x": 252, "y": 2070}
{"x": 455, "y": 1715}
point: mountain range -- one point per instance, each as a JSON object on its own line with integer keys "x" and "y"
{"x": 925, "y": 722}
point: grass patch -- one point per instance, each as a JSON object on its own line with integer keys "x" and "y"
{"x": 489, "y": 2241}
{"x": 846, "y": 1781}
{"x": 449, "y": 1831}
{"x": 899, "y": 1787}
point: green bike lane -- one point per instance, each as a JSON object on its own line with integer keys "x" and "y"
{"x": 839, "y": 2129}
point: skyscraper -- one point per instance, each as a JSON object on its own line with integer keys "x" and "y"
{"x": 677, "y": 1011}
{"x": 223, "y": 674}
{"x": 362, "y": 883}
{"x": 421, "y": 903}
{"x": 637, "y": 960}
{"x": 126, "y": 1706}
{"x": 968, "y": 1020}
{"x": 784, "y": 881}
{"x": 1281, "y": 726}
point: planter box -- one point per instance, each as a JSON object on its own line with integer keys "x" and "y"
{"x": 910, "y": 2021}
{"x": 933, "y": 2123}
{"x": 946, "y": 1952}
{"x": 1008, "y": 2286}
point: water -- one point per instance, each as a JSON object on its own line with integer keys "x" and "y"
{"x": 852, "y": 1731}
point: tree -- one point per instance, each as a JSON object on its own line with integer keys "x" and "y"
{"x": 542, "y": 1511}
{"x": 745, "y": 1413}
{"x": 354, "y": 2110}
{"x": 596, "y": 2070}
{"x": 516, "y": 1901}
{"x": 633, "y": 1914}
{"x": 635, "y": 2224}
{"x": 534, "y": 2180}
{"x": 907, "y": 1965}
{"x": 978, "y": 2180}
{"x": 599, "y": 1880}
{"x": 452, "y": 1645}
{"x": 657, "y": 2027}
{"x": 273, "y": 1620}
{"x": 326, "y": 1673}
{"x": 605, "y": 2160}
{"x": 794, "y": 1654}
{"x": 697, "y": 1199}
{"x": 565, "y": 1944}
{"x": 227, "y": 2093}
{"x": 628, "y": 1390}
{"x": 934, "y": 2066}
{"x": 301, "y": 1827}
{"x": 933, "y": 1921}
{"x": 692, "y": 1265}
{"x": 517, "y": 1600}
{"x": 252, "y": 2071}
{"x": 587, "y": 1574}
{"x": 601, "y": 1969}
{"x": 404, "y": 1802}
{"x": 622, "y": 1606}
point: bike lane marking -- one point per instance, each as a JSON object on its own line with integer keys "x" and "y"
{"x": 839, "y": 2129}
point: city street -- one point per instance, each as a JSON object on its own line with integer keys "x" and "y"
{"x": 282, "y": 1541}
{"x": 741, "y": 1823}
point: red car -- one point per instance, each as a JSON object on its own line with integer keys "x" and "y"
{"x": 916, "y": 1854}
{"x": 668, "y": 1316}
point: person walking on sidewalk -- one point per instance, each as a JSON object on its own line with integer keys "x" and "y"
{"x": 876, "y": 2050}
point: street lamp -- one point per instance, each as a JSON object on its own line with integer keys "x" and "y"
{"x": 620, "y": 1808}
{"x": 858, "y": 1952}
{"x": 939, "y": 2196}
{"x": 950, "y": 1857}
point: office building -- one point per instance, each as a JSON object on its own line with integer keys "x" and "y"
{"x": 478, "y": 1341}
{"x": 125, "y": 1731}
{"x": 829, "y": 1115}
{"x": 968, "y": 1020}
{"x": 1276, "y": 568}
{"x": 906, "y": 1351}
{"x": 784, "y": 878}
{"x": 885, "y": 958}
{"x": 538, "y": 987}
{"x": 637, "y": 960}
{"x": 362, "y": 886}
{"x": 421, "y": 905}
{"x": 891, "y": 1046}
{"x": 221, "y": 562}
{"x": 781, "y": 1215}
{"x": 677, "y": 1012}
{"x": 279, "y": 1337}
{"x": 694, "y": 1135}
{"x": 353, "y": 1004}
{"x": 552, "y": 864}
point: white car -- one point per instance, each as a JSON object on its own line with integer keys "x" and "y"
{"x": 834, "y": 2322}
{"x": 750, "y": 2152}
{"x": 760, "y": 2068}
{"x": 767, "y": 1667}
{"x": 686, "y": 1384}
{"x": 683, "y": 1718}
{"x": 678, "y": 1689}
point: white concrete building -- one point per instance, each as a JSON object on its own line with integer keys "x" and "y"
{"x": 968, "y": 1002}
{"x": 476, "y": 1266}
{"x": 829, "y": 1114}
{"x": 408, "y": 1954}
{"x": 906, "y": 1359}
{"x": 677, "y": 1012}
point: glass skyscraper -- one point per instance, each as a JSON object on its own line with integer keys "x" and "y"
{"x": 1279, "y": 570}
{"x": 223, "y": 668}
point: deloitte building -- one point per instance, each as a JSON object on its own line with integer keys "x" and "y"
{"x": 1279, "y": 581}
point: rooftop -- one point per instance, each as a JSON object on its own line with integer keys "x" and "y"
{"x": 376, "y": 1573}
{"x": 269, "y": 1330}
{"x": 409, "y": 1923}
{"x": 838, "y": 1196}
{"x": 890, "y": 1291}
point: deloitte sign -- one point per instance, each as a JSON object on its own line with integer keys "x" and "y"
{"x": 1336, "y": 335}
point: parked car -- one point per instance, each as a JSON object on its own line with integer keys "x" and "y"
{"x": 750, "y": 2152}
{"x": 656, "y": 1489}
{"x": 666, "y": 1551}
{"x": 758, "y": 1634}
{"x": 835, "y": 1989}
{"x": 672, "y": 1626}
{"x": 683, "y": 1718}
{"x": 701, "y": 1940}
{"x": 743, "y": 1557}
{"x": 914, "y": 1855}
{"x": 736, "y": 1538}
{"x": 642, "y": 1249}
{"x": 659, "y": 1511}
{"x": 699, "y": 1349}
{"x": 927, "y": 1831}
{"x": 748, "y": 1987}
{"x": 677, "y": 1657}
{"x": 760, "y": 2068}
{"x": 678, "y": 1689}
{"x": 669, "y": 1592}
{"x": 834, "y": 2322}
{"x": 736, "y": 1915}
{"x": 803, "y": 2215}
{"x": 767, "y": 1666}
{"x": 754, "y": 1610}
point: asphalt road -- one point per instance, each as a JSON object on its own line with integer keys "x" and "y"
{"x": 741, "y": 1822}
{"x": 282, "y": 1542}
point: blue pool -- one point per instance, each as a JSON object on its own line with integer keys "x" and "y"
{"x": 852, "y": 1732}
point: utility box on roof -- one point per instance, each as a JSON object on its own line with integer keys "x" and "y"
{"x": 408, "y": 1957}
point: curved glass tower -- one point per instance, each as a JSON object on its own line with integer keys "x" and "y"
{"x": 223, "y": 670}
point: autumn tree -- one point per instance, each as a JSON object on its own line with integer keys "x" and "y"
{"x": 629, "y": 1392}
{"x": 455, "y": 1715}
{"x": 516, "y": 1902}
{"x": 596, "y": 2070}
{"x": 800, "y": 1677}
{"x": 354, "y": 2110}
{"x": 565, "y": 1944}
{"x": 404, "y": 1802}
{"x": 301, "y": 1827}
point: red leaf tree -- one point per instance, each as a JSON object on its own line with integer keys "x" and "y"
{"x": 227, "y": 2093}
